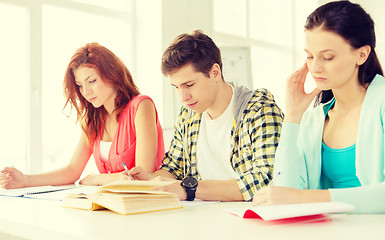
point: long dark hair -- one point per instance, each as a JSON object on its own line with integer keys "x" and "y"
{"x": 351, "y": 22}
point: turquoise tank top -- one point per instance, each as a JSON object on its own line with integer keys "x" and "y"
{"x": 339, "y": 165}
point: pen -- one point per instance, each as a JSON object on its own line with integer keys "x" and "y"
{"x": 127, "y": 171}
{"x": 272, "y": 181}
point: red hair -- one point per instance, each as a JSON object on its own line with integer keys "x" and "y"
{"x": 112, "y": 71}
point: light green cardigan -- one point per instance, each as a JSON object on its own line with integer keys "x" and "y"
{"x": 299, "y": 165}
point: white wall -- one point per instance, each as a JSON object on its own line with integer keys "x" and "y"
{"x": 181, "y": 17}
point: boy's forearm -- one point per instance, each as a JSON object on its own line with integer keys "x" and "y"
{"x": 219, "y": 190}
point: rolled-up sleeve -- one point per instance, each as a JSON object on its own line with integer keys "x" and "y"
{"x": 258, "y": 139}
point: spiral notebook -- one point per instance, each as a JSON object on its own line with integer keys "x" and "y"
{"x": 34, "y": 192}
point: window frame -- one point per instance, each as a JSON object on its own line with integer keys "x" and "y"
{"x": 34, "y": 138}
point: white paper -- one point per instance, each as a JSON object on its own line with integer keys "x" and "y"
{"x": 30, "y": 191}
{"x": 275, "y": 212}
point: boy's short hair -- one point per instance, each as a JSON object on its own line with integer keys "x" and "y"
{"x": 196, "y": 48}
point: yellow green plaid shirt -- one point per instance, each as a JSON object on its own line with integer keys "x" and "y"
{"x": 255, "y": 134}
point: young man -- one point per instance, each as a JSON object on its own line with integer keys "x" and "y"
{"x": 225, "y": 137}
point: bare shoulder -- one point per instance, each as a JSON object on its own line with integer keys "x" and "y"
{"x": 146, "y": 105}
{"x": 146, "y": 111}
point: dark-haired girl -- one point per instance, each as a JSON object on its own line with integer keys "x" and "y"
{"x": 334, "y": 151}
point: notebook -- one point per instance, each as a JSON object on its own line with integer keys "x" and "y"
{"x": 34, "y": 192}
{"x": 276, "y": 212}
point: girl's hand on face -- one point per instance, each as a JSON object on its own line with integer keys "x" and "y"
{"x": 297, "y": 100}
{"x": 12, "y": 178}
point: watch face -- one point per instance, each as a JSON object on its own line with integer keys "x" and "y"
{"x": 189, "y": 182}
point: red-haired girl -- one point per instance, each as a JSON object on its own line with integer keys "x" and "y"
{"x": 119, "y": 125}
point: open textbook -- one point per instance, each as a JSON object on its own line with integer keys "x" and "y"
{"x": 125, "y": 197}
{"x": 276, "y": 212}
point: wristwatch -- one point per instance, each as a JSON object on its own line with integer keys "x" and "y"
{"x": 190, "y": 186}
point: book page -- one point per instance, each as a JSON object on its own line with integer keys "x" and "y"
{"x": 275, "y": 212}
{"x": 29, "y": 191}
{"x": 135, "y": 185}
{"x": 125, "y": 197}
{"x": 197, "y": 202}
{"x": 60, "y": 195}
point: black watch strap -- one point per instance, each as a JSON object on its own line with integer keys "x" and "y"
{"x": 190, "y": 186}
{"x": 190, "y": 194}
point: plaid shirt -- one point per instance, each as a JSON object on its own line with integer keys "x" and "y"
{"x": 255, "y": 134}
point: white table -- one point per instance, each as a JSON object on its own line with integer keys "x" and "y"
{"x": 43, "y": 219}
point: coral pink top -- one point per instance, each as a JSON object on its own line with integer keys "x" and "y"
{"x": 124, "y": 144}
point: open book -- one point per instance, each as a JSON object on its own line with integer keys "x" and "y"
{"x": 276, "y": 212}
{"x": 125, "y": 197}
